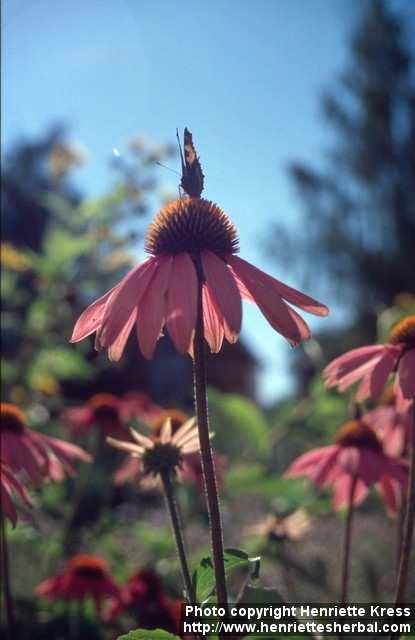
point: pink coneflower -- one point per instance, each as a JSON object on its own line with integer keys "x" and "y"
{"x": 143, "y": 596}
{"x": 375, "y": 363}
{"x": 84, "y": 576}
{"x": 162, "y": 457}
{"x": 164, "y": 452}
{"x": 356, "y": 462}
{"x": 9, "y": 485}
{"x": 191, "y": 467}
{"x": 38, "y": 455}
{"x": 356, "y": 459}
{"x": 392, "y": 422}
{"x": 191, "y": 239}
{"x": 109, "y": 413}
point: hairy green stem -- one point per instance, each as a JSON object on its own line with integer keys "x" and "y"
{"x": 8, "y": 598}
{"x": 178, "y": 533}
{"x": 206, "y": 454}
{"x": 347, "y": 543}
{"x": 408, "y": 528}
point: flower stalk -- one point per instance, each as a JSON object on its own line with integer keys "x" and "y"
{"x": 5, "y": 572}
{"x": 408, "y": 528}
{"x": 206, "y": 452}
{"x": 347, "y": 543}
{"x": 172, "y": 508}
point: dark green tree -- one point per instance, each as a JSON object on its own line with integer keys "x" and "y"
{"x": 357, "y": 235}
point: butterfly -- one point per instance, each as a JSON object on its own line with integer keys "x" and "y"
{"x": 192, "y": 175}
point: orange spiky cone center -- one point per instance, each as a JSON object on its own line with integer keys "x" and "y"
{"x": 355, "y": 433}
{"x": 12, "y": 418}
{"x": 191, "y": 225}
{"x": 104, "y": 407}
{"x": 403, "y": 332}
{"x": 88, "y": 566}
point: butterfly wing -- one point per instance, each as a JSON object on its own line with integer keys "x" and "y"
{"x": 192, "y": 175}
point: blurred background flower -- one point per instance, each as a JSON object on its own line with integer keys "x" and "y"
{"x": 324, "y": 98}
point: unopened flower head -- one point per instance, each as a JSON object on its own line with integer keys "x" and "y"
{"x": 162, "y": 454}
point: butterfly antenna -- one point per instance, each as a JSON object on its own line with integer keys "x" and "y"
{"x": 180, "y": 149}
{"x": 160, "y": 164}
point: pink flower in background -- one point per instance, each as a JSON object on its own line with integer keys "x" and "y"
{"x": 84, "y": 576}
{"x": 192, "y": 472}
{"x": 109, "y": 413}
{"x": 163, "y": 453}
{"x": 392, "y": 422}
{"x": 9, "y": 485}
{"x": 191, "y": 466}
{"x": 357, "y": 454}
{"x": 40, "y": 456}
{"x": 373, "y": 365}
{"x": 191, "y": 240}
{"x": 143, "y": 597}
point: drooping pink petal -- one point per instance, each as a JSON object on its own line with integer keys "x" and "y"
{"x": 129, "y": 470}
{"x": 403, "y": 405}
{"x": 7, "y": 505}
{"x": 381, "y": 373}
{"x": 212, "y": 321}
{"x": 391, "y": 493}
{"x": 225, "y": 291}
{"x": 345, "y": 381}
{"x": 363, "y": 390}
{"x": 126, "y": 298}
{"x": 116, "y": 349}
{"x": 324, "y": 470}
{"x": 8, "y": 477}
{"x": 349, "y": 460}
{"x": 397, "y": 469}
{"x": 56, "y": 471}
{"x": 304, "y": 464}
{"x": 342, "y": 492}
{"x": 372, "y": 465}
{"x": 78, "y": 419}
{"x": 21, "y": 454}
{"x": 407, "y": 374}
{"x": 293, "y": 296}
{"x": 64, "y": 451}
{"x": 280, "y": 316}
{"x": 8, "y": 485}
{"x": 152, "y": 311}
{"x": 182, "y": 302}
{"x": 390, "y": 427}
{"x": 351, "y": 360}
{"x": 245, "y": 295}
{"x": 91, "y": 318}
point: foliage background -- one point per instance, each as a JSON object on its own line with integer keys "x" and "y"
{"x": 62, "y": 248}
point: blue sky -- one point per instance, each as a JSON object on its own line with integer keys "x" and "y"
{"x": 244, "y": 76}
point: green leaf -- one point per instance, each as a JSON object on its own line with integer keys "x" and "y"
{"x": 204, "y": 576}
{"x": 148, "y": 634}
{"x": 253, "y": 479}
{"x": 240, "y": 428}
{"x": 259, "y": 595}
{"x": 63, "y": 363}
